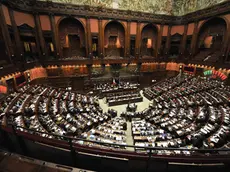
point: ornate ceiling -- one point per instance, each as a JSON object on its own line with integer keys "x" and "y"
{"x": 168, "y": 7}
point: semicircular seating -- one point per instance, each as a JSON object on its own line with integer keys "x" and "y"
{"x": 187, "y": 112}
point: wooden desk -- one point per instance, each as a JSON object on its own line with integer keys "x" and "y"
{"x": 140, "y": 138}
{"x": 126, "y": 101}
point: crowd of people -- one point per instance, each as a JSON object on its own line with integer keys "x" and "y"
{"x": 51, "y": 110}
{"x": 113, "y": 132}
{"x": 192, "y": 114}
{"x": 186, "y": 112}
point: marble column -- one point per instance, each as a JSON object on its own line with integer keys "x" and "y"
{"x": 194, "y": 39}
{"x": 40, "y": 36}
{"x": 138, "y": 41}
{"x": 19, "y": 49}
{"x": 100, "y": 38}
{"x": 127, "y": 39}
{"x": 159, "y": 40}
{"x": 6, "y": 35}
{"x": 54, "y": 36}
{"x": 184, "y": 40}
{"x": 89, "y": 36}
{"x": 168, "y": 40}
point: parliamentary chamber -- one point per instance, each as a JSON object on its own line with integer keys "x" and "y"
{"x": 116, "y": 85}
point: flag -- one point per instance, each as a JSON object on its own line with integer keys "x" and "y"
{"x": 114, "y": 82}
{"x": 51, "y": 47}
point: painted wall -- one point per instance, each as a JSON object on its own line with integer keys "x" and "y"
{"x": 94, "y": 25}
{"x": 24, "y": 18}
{"x": 177, "y": 29}
{"x": 133, "y": 28}
{"x": 45, "y": 22}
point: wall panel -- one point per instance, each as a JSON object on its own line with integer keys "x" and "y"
{"x": 21, "y": 18}
{"x": 177, "y": 29}
{"x": 45, "y": 22}
{"x": 94, "y": 25}
{"x": 133, "y": 28}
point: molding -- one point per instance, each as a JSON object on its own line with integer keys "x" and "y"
{"x": 46, "y": 7}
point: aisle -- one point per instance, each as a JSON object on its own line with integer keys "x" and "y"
{"x": 129, "y": 137}
{"x": 122, "y": 108}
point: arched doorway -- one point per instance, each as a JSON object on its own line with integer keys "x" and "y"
{"x": 210, "y": 40}
{"x": 148, "y": 41}
{"x": 72, "y": 38}
{"x": 114, "y": 40}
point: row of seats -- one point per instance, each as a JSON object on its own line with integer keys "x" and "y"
{"x": 51, "y": 110}
{"x": 186, "y": 112}
{"x": 194, "y": 114}
{"x": 113, "y": 132}
{"x": 165, "y": 85}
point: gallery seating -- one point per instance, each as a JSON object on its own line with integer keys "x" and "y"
{"x": 52, "y": 110}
